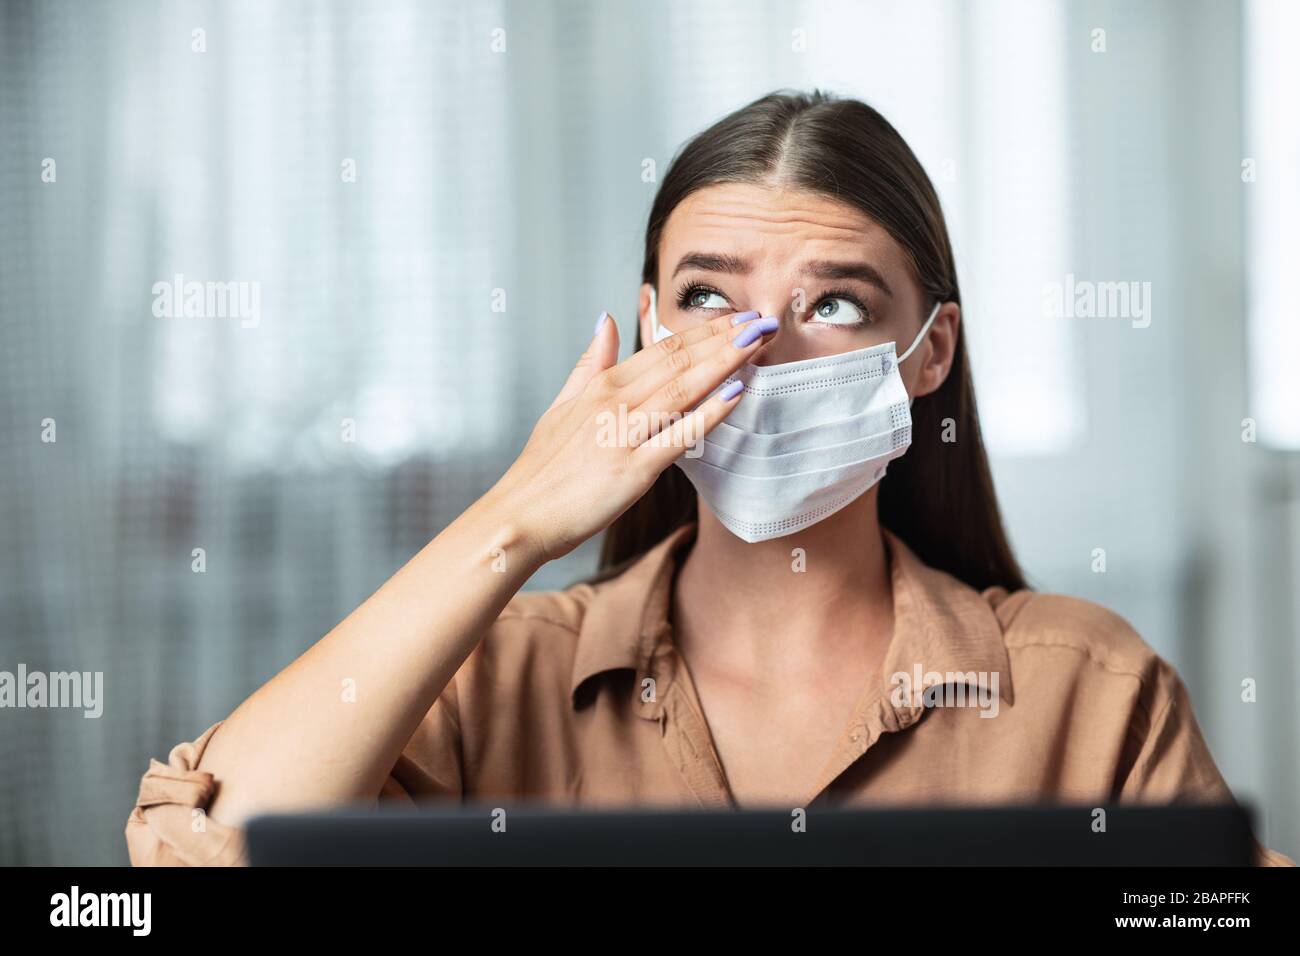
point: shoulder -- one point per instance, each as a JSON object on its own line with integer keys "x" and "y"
{"x": 1085, "y": 664}
{"x": 545, "y": 612}
{"x": 549, "y": 621}
{"x": 535, "y": 637}
{"x": 1064, "y": 632}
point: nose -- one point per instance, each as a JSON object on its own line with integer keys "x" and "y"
{"x": 792, "y": 342}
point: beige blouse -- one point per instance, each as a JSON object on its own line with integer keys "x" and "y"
{"x": 579, "y": 697}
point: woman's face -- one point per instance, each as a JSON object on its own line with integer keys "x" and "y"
{"x": 837, "y": 280}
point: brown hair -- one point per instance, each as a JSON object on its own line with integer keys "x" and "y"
{"x": 938, "y": 497}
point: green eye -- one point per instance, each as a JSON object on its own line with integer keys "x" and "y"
{"x": 700, "y": 299}
{"x": 839, "y": 311}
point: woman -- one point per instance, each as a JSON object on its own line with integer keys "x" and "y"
{"x": 776, "y": 621}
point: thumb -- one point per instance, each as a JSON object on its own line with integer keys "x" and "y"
{"x": 600, "y": 355}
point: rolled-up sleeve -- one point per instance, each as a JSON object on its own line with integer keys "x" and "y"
{"x": 170, "y": 825}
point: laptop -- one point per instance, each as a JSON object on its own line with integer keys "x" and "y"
{"x": 1032, "y": 835}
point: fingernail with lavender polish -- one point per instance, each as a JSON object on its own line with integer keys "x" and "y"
{"x": 731, "y": 390}
{"x": 600, "y": 322}
{"x": 752, "y": 332}
{"x": 740, "y": 317}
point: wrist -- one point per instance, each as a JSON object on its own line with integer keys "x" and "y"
{"x": 509, "y": 542}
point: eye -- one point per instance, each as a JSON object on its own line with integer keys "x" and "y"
{"x": 840, "y": 310}
{"x": 702, "y": 297}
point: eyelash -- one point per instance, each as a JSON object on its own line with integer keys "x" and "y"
{"x": 685, "y": 293}
{"x": 867, "y": 315}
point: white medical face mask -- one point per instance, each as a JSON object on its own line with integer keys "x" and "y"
{"x": 807, "y": 439}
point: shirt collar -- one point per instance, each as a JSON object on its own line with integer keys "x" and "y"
{"x": 941, "y": 625}
{"x": 628, "y": 615}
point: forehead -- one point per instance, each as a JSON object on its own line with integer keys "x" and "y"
{"x": 776, "y": 227}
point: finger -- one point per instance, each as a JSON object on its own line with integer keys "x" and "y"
{"x": 602, "y": 353}
{"x": 684, "y": 435}
{"x": 687, "y": 386}
{"x": 720, "y": 328}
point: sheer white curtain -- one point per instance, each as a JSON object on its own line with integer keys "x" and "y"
{"x": 354, "y": 161}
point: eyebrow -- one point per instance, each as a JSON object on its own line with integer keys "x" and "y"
{"x": 818, "y": 269}
{"x": 822, "y": 269}
{"x": 713, "y": 262}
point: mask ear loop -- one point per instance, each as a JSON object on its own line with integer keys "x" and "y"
{"x": 657, "y": 331}
{"x": 920, "y": 337}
